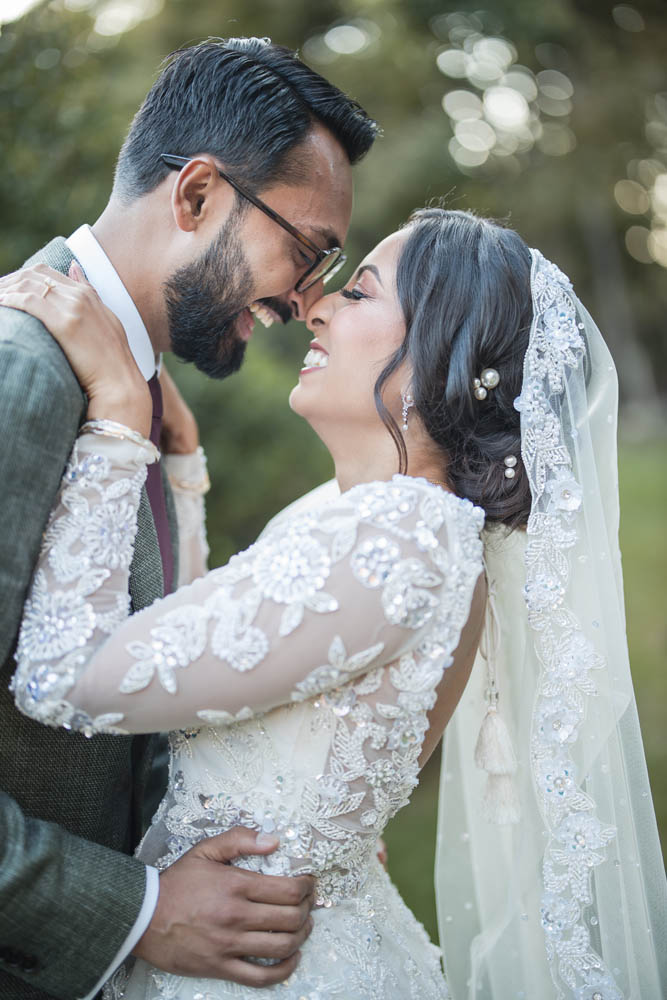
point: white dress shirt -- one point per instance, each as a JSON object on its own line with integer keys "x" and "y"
{"x": 102, "y": 275}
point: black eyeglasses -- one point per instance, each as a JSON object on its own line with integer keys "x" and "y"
{"x": 326, "y": 263}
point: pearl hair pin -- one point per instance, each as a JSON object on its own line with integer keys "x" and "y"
{"x": 489, "y": 379}
{"x": 510, "y": 466}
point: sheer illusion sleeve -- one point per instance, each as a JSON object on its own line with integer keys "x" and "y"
{"x": 188, "y": 478}
{"x": 327, "y": 595}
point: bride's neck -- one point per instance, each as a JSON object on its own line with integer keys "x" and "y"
{"x": 381, "y": 462}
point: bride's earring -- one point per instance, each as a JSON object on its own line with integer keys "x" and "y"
{"x": 408, "y": 401}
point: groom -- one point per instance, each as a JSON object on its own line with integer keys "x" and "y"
{"x": 232, "y": 194}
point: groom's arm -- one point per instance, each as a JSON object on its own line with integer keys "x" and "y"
{"x": 68, "y": 910}
{"x": 45, "y": 869}
{"x": 41, "y": 405}
{"x": 66, "y": 905}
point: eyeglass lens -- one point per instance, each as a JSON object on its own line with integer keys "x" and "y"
{"x": 324, "y": 270}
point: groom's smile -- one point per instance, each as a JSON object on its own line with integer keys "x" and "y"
{"x": 269, "y": 311}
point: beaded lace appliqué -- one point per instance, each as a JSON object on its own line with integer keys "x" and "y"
{"x": 84, "y": 548}
{"x": 576, "y": 837}
{"x": 376, "y": 722}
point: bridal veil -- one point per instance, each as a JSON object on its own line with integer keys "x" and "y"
{"x": 568, "y": 899}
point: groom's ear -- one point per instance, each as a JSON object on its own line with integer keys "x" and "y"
{"x": 199, "y": 193}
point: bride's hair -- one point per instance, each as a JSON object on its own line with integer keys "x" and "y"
{"x": 464, "y": 287}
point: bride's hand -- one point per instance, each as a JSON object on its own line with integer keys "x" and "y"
{"x": 90, "y": 335}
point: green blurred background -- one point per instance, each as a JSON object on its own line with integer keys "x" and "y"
{"x": 552, "y": 116}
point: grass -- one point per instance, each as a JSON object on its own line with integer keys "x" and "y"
{"x": 643, "y": 488}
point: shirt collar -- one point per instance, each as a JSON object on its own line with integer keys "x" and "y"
{"x": 102, "y": 275}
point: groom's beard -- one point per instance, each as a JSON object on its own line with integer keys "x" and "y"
{"x": 203, "y": 301}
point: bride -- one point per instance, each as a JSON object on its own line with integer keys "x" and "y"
{"x": 307, "y": 681}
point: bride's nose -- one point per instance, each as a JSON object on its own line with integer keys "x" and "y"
{"x": 321, "y": 312}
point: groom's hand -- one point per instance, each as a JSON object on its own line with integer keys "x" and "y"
{"x": 210, "y": 915}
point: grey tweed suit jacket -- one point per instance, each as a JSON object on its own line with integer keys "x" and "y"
{"x": 70, "y": 807}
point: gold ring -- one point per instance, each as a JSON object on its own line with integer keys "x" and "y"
{"x": 49, "y": 283}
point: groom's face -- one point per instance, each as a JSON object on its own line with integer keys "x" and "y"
{"x": 252, "y": 264}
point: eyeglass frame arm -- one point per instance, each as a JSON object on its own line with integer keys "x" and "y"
{"x": 179, "y": 162}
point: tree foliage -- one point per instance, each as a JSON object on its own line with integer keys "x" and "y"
{"x": 71, "y": 79}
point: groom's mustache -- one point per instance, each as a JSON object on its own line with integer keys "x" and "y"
{"x": 282, "y": 310}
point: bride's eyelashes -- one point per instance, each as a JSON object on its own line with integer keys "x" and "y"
{"x": 355, "y": 294}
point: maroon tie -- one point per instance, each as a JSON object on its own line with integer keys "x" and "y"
{"x": 155, "y": 491}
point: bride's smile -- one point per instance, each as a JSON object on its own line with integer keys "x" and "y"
{"x": 316, "y": 358}
{"x": 357, "y": 330}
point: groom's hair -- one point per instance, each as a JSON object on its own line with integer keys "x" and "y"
{"x": 246, "y": 101}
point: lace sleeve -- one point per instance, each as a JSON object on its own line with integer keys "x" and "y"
{"x": 326, "y": 596}
{"x": 188, "y": 478}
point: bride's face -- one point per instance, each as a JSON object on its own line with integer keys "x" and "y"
{"x": 356, "y": 331}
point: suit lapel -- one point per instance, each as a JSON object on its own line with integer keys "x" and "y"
{"x": 171, "y": 520}
{"x": 146, "y": 580}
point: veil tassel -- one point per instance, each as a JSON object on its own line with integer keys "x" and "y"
{"x": 494, "y": 752}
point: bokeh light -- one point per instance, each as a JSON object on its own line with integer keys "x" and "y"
{"x": 119, "y": 16}
{"x": 556, "y": 140}
{"x": 345, "y": 39}
{"x": 462, "y": 104}
{"x": 554, "y": 85}
{"x": 659, "y": 195}
{"x": 521, "y": 79}
{"x": 475, "y": 135}
{"x": 506, "y": 108}
{"x": 657, "y": 245}
{"x": 349, "y": 39}
{"x": 628, "y": 18}
{"x": 11, "y": 10}
{"x": 453, "y": 62}
{"x": 636, "y": 242}
{"x": 644, "y": 191}
{"x": 631, "y": 197}
{"x": 506, "y": 121}
{"x": 466, "y": 157}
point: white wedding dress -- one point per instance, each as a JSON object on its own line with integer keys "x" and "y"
{"x": 295, "y": 680}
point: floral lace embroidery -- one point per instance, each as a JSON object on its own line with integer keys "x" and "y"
{"x": 291, "y": 567}
{"x": 333, "y": 673}
{"x": 576, "y": 837}
{"x": 376, "y": 722}
{"x": 84, "y": 548}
